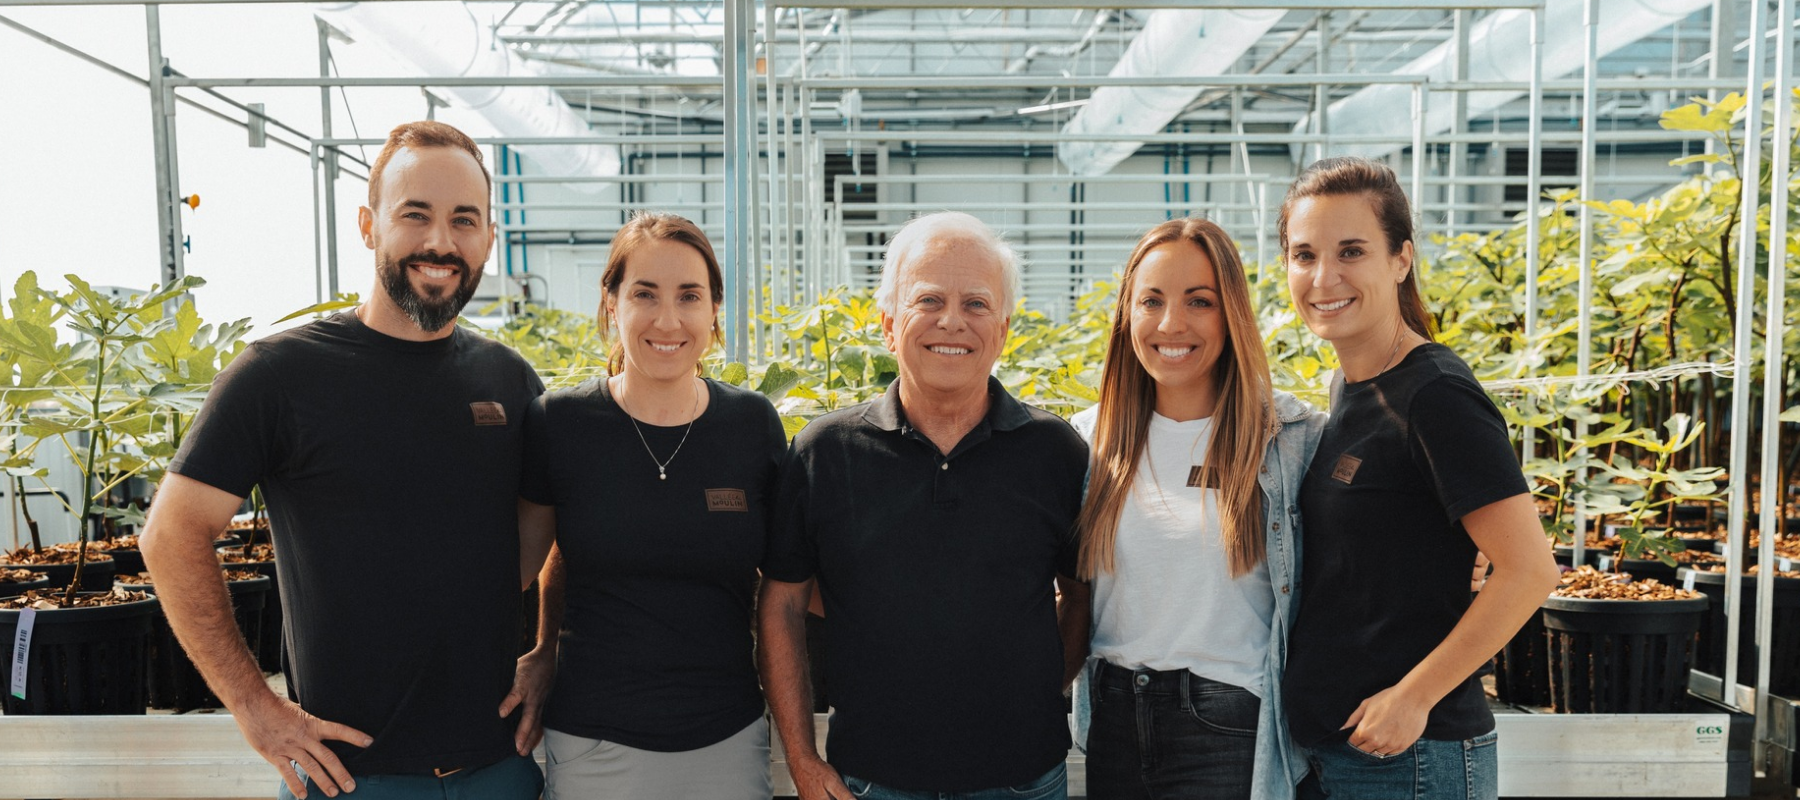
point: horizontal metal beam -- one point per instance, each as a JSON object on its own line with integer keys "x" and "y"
{"x": 860, "y": 35}
{"x": 1274, "y": 137}
{"x": 1098, "y": 81}
{"x": 1062, "y": 177}
{"x": 1322, "y": 5}
{"x": 554, "y": 81}
{"x": 525, "y": 141}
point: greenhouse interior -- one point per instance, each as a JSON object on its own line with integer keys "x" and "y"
{"x": 1599, "y": 197}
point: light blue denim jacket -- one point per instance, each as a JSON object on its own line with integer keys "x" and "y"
{"x": 1280, "y": 764}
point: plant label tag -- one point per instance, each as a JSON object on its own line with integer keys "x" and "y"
{"x": 1784, "y": 564}
{"x": 1688, "y": 581}
{"x": 21, "y": 653}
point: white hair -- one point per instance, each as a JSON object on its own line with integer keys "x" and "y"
{"x": 919, "y": 231}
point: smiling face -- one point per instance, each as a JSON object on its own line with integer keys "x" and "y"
{"x": 949, "y": 326}
{"x": 664, "y": 310}
{"x": 430, "y": 233}
{"x": 1343, "y": 279}
{"x": 1178, "y": 327}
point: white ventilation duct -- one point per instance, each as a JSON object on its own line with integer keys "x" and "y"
{"x": 444, "y": 40}
{"x": 1499, "y": 50}
{"x": 1174, "y": 42}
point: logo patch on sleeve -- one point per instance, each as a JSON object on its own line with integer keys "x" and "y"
{"x": 727, "y": 500}
{"x": 1345, "y": 471}
{"x": 488, "y": 413}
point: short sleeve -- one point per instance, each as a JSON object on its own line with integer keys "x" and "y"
{"x": 534, "y": 477}
{"x": 792, "y": 555}
{"x": 235, "y": 440}
{"x": 1459, "y": 443}
{"x": 1074, "y": 492}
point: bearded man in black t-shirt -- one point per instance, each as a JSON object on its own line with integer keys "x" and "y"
{"x": 387, "y": 442}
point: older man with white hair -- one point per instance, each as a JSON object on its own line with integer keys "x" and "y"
{"x": 935, "y": 522}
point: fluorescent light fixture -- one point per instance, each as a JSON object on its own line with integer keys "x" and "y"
{"x": 1051, "y": 107}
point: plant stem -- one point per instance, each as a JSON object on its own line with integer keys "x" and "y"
{"x": 87, "y": 474}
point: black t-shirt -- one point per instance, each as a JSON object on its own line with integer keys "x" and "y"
{"x": 937, "y": 572}
{"x": 391, "y": 470}
{"x": 1385, "y": 575}
{"x": 655, "y": 651}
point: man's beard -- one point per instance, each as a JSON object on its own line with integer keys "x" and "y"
{"x": 431, "y": 314}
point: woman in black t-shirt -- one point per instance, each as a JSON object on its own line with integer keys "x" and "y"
{"x": 1413, "y": 476}
{"x": 656, "y": 483}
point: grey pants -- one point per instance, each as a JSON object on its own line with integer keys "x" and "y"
{"x": 579, "y": 768}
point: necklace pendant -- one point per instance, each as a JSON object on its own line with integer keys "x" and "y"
{"x": 662, "y": 476}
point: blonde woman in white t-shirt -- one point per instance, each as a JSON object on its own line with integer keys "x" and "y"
{"x": 1190, "y": 534}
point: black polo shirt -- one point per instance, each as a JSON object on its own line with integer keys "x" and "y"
{"x": 943, "y": 656}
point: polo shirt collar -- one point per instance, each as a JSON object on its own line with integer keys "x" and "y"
{"x": 1004, "y": 413}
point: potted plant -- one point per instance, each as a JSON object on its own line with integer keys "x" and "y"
{"x": 86, "y": 654}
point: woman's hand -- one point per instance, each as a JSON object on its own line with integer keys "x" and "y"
{"x": 1388, "y": 722}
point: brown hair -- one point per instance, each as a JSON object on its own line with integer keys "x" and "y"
{"x": 1349, "y": 175}
{"x": 643, "y": 228}
{"x": 1242, "y": 421}
{"x": 417, "y": 135}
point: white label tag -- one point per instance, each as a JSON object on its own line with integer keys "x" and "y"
{"x": 1784, "y": 564}
{"x": 21, "y": 654}
{"x": 1688, "y": 582}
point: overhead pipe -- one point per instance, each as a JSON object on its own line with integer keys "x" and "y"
{"x": 1495, "y": 44}
{"x": 442, "y": 38}
{"x": 1174, "y": 42}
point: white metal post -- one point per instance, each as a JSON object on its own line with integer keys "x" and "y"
{"x": 330, "y": 157}
{"x": 1585, "y": 333}
{"x": 162, "y": 144}
{"x": 740, "y": 174}
{"x": 1534, "y": 121}
{"x": 1743, "y": 354}
{"x": 1773, "y": 490}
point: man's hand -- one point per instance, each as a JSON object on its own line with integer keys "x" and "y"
{"x": 1388, "y": 722}
{"x": 285, "y": 735}
{"x": 531, "y": 686}
{"x": 1478, "y": 577}
{"x": 816, "y": 780}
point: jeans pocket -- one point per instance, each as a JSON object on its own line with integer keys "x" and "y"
{"x": 1050, "y": 784}
{"x": 1228, "y": 710}
{"x": 857, "y": 786}
{"x": 1366, "y": 758}
{"x": 1488, "y": 739}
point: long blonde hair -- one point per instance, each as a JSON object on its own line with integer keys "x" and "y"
{"x": 1242, "y": 422}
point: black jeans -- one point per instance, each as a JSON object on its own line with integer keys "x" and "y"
{"x": 1171, "y": 735}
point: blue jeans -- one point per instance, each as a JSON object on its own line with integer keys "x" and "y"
{"x": 515, "y": 778}
{"x": 1052, "y": 785}
{"x": 1169, "y": 734}
{"x": 1429, "y": 770}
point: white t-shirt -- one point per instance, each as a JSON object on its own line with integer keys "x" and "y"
{"x": 1171, "y": 602}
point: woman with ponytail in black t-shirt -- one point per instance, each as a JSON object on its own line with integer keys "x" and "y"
{"x": 1413, "y": 476}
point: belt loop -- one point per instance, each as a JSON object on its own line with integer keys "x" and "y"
{"x": 1187, "y": 697}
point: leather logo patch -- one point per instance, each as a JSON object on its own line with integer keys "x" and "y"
{"x": 727, "y": 500}
{"x": 1202, "y": 478}
{"x": 1345, "y": 471}
{"x": 488, "y": 413}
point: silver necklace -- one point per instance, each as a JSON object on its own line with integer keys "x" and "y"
{"x": 662, "y": 467}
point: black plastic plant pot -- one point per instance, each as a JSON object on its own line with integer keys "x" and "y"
{"x": 83, "y": 660}
{"x": 16, "y": 588}
{"x": 1722, "y": 547}
{"x": 127, "y": 560}
{"x": 1621, "y": 656}
{"x": 172, "y": 681}
{"x": 267, "y": 645}
{"x": 1565, "y": 555}
{"x": 96, "y": 576}
{"x": 1522, "y": 667}
{"x": 1784, "y": 657}
{"x": 1638, "y": 568}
